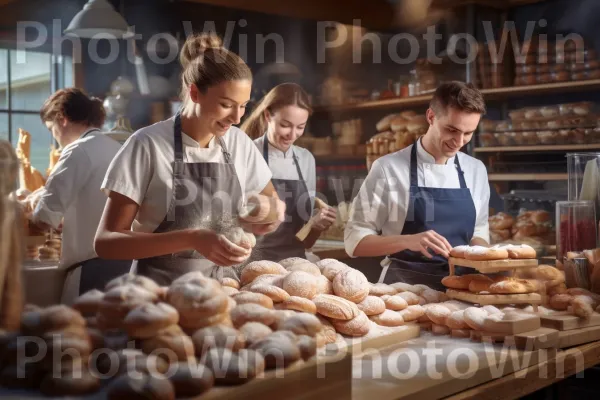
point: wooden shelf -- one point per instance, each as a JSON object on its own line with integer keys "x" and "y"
{"x": 550, "y": 147}
{"x": 338, "y": 157}
{"x": 489, "y": 94}
{"x": 529, "y": 177}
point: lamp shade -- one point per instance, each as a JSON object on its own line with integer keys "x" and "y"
{"x": 97, "y": 17}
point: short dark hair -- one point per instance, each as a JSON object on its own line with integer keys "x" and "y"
{"x": 76, "y": 106}
{"x": 460, "y": 95}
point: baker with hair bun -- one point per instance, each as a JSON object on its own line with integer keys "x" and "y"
{"x": 177, "y": 186}
{"x": 71, "y": 195}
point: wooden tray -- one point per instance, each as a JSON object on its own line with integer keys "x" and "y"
{"x": 358, "y": 346}
{"x": 567, "y": 321}
{"x": 492, "y": 266}
{"x": 493, "y": 299}
{"x": 575, "y": 337}
{"x": 527, "y": 323}
{"x": 542, "y": 338}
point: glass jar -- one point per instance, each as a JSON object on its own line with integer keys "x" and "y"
{"x": 414, "y": 85}
{"x": 575, "y": 227}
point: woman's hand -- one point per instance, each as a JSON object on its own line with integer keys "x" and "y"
{"x": 324, "y": 219}
{"x": 218, "y": 249}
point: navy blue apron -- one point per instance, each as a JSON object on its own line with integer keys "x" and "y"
{"x": 283, "y": 243}
{"x": 449, "y": 212}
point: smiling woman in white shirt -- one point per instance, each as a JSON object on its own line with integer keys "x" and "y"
{"x": 177, "y": 186}
{"x": 277, "y": 122}
{"x": 71, "y": 195}
{"x": 418, "y": 203}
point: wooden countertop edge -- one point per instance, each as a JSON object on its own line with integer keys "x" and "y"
{"x": 536, "y": 376}
{"x": 337, "y": 253}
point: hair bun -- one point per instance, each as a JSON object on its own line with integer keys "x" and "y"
{"x": 195, "y": 45}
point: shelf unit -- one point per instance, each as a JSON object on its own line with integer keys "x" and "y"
{"x": 494, "y": 177}
{"x": 550, "y": 147}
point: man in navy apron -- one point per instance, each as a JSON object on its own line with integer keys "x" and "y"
{"x": 418, "y": 203}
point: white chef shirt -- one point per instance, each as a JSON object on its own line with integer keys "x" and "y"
{"x": 72, "y": 194}
{"x": 381, "y": 204}
{"x": 143, "y": 168}
{"x": 283, "y": 167}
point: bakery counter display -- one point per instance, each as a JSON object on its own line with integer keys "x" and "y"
{"x": 395, "y": 132}
{"x": 561, "y": 124}
{"x": 531, "y": 227}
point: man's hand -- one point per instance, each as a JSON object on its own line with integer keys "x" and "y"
{"x": 428, "y": 240}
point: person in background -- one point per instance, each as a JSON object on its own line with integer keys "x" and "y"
{"x": 177, "y": 186}
{"x": 277, "y": 122}
{"x": 418, "y": 203}
{"x": 71, "y": 196}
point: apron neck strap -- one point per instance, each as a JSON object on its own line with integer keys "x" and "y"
{"x": 266, "y": 156}
{"x": 178, "y": 144}
{"x": 414, "y": 181}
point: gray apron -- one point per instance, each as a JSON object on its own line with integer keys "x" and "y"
{"x": 205, "y": 195}
{"x": 283, "y": 243}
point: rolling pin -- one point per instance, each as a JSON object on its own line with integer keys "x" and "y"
{"x": 305, "y": 230}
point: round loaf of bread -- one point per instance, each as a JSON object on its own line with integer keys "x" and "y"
{"x": 257, "y": 268}
{"x": 301, "y": 284}
{"x": 522, "y": 251}
{"x": 140, "y": 386}
{"x": 455, "y": 305}
{"x": 438, "y": 313}
{"x": 217, "y": 336}
{"x": 480, "y": 253}
{"x": 388, "y": 318}
{"x": 475, "y": 317}
{"x": 301, "y": 324}
{"x": 352, "y": 285}
{"x": 69, "y": 383}
{"x": 118, "y": 301}
{"x": 278, "y": 351}
{"x": 197, "y": 301}
{"x": 440, "y": 329}
{"x": 171, "y": 344}
{"x": 395, "y": 302}
{"x": 276, "y": 294}
{"x": 191, "y": 379}
{"x": 331, "y": 269}
{"x": 412, "y": 313}
{"x": 251, "y": 297}
{"x": 381, "y": 289}
{"x": 492, "y": 310}
{"x": 434, "y": 296}
{"x": 133, "y": 279}
{"x": 459, "y": 251}
{"x": 288, "y": 262}
{"x": 480, "y": 283}
{"x": 410, "y": 298}
{"x": 372, "y": 305}
{"x": 307, "y": 346}
{"x": 501, "y": 221}
{"x": 267, "y": 279}
{"x": 402, "y": 287}
{"x": 229, "y": 291}
{"x": 324, "y": 285}
{"x": 324, "y": 262}
{"x": 254, "y": 332}
{"x": 230, "y": 282}
{"x": 251, "y": 312}
{"x": 299, "y": 264}
{"x": 512, "y": 286}
{"x": 456, "y": 320}
{"x": 146, "y": 320}
{"x": 457, "y": 282}
{"x": 53, "y": 318}
{"x": 357, "y": 326}
{"x": 424, "y": 317}
{"x": 335, "y": 307}
{"x": 89, "y": 302}
{"x": 234, "y": 368}
{"x": 299, "y": 304}
{"x": 328, "y": 331}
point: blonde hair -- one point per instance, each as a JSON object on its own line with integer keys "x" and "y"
{"x": 205, "y": 63}
{"x": 286, "y": 94}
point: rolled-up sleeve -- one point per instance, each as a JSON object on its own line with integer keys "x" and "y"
{"x": 482, "y": 204}
{"x": 68, "y": 177}
{"x": 369, "y": 210}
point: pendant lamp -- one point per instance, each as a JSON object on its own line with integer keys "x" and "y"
{"x": 97, "y": 17}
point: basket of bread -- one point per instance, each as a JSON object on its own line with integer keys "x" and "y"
{"x": 395, "y": 132}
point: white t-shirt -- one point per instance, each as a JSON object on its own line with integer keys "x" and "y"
{"x": 381, "y": 204}
{"x": 143, "y": 168}
{"x": 72, "y": 195}
{"x": 283, "y": 167}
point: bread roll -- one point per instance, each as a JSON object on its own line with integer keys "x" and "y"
{"x": 254, "y": 332}
{"x": 89, "y": 302}
{"x": 388, "y": 318}
{"x": 358, "y": 326}
{"x": 410, "y": 298}
{"x": 335, "y": 307}
{"x": 267, "y": 279}
{"x": 480, "y": 253}
{"x": 132, "y": 279}
{"x": 512, "y": 286}
{"x": 278, "y": 351}
{"x": 475, "y": 317}
{"x": 381, "y": 289}
{"x": 53, "y": 318}
{"x": 328, "y": 331}
{"x": 352, "y": 285}
{"x": 243, "y": 313}
{"x": 324, "y": 262}
{"x": 480, "y": 283}
{"x": 301, "y": 324}
{"x": 230, "y": 282}
{"x": 438, "y": 313}
{"x": 234, "y": 368}
{"x": 197, "y": 299}
{"x": 412, "y": 313}
{"x": 257, "y": 268}
{"x": 372, "y": 305}
{"x": 276, "y": 294}
{"x": 229, "y": 291}
{"x": 553, "y": 289}
{"x": 501, "y": 221}
{"x": 522, "y": 251}
{"x": 456, "y": 320}
{"x": 459, "y": 251}
{"x": 396, "y": 302}
{"x": 301, "y": 284}
{"x": 251, "y": 297}
{"x": 171, "y": 344}
{"x": 440, "y": 329}
{"x": 217, "y": 336}
{"x": 457, "y": 282}
{"x": 434, "y": 296}
{"x": 299, "y": 304}
{"x": 456, "y": 305}
{"x": 147, "y": 320}
{"x": 324, "y": 285}
{"x": 299, "y": 264}
{"x": 331, "y": 269}
{"x": 190, "y": 379}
